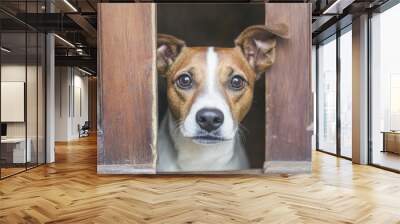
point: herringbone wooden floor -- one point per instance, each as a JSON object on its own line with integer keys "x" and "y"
{"x": 70, "y": 191}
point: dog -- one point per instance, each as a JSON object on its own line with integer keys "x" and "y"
{"x": 209, "y": 92}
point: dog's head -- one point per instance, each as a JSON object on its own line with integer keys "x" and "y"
{"x": 210, "y": 90}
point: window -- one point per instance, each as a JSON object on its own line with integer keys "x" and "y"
{"x": 22, "y": 79}
{"x": 346, "y": 93}
{"x": 334, "y": 67}
{"x": 327, "y": 96}
{"x": 385, "y": 89}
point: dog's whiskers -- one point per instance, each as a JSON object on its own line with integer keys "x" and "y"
{"x": 242, "y": 131}
{"x": 178, "y": 126}
{"x": 243, "y": 128}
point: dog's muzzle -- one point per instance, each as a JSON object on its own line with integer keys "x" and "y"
{"x": 209, "y": 119}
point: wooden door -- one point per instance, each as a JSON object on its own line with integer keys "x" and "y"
{"x": 127, "y": 119}
{"x": 289, "y": 119}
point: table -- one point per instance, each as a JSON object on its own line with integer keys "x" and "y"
{"x": 391, "y": 141}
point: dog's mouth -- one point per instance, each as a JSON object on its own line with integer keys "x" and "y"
{"x": 208, "y": 139}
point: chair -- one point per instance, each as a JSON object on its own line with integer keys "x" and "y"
{"x": 84, "y": 130}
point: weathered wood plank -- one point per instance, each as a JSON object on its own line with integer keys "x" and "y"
{"x": 127, "y": 88}
{"x": 288, "y": 91}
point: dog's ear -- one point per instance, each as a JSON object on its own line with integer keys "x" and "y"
{"x": 258, "y": 44}
{"x": 168, "y": 49}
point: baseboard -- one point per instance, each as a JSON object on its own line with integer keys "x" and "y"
{"x": 270, "y": 167}
{"x": 228, "y": 172}
{"x": 124, "y": 169}
{"x": 287, "y": 167}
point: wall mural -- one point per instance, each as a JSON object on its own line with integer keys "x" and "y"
{"x": 204, "y": 88}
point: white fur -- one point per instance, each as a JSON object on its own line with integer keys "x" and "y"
{"x": 177, "y": 151}
{"x": 212, "y": 64}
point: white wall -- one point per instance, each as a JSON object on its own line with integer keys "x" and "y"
{"x": 70, "y": 84}
{"x": 13, "y": 100}
{"x": 10, "y": 73}
{"x": 62, "y": 82}
{"x": 17, "y": 73}
{"x": 33, "y": 126}
{"x": 79, "y": 117}
{"x": 13, "y": 72}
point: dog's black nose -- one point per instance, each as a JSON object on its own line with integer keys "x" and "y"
{"x": 209, "y": 119}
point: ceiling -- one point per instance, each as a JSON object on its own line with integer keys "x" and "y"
{"x": 75, "y": 23}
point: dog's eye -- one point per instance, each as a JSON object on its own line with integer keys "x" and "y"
{"x": 184, "y": 81}
{"x": 237, "y": 82}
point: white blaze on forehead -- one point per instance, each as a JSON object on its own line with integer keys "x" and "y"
{"x": 212, "y": 63}
{"x": 210, "y": 96}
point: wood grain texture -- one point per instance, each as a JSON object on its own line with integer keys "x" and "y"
{"x": 70, "y": 191}
{"x": 288, "y": 86}
{"x": 127, "y": 107}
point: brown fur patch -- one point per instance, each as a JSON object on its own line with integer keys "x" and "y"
{"x": 190, "y": 60}
{"x": 239, "y": 101}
